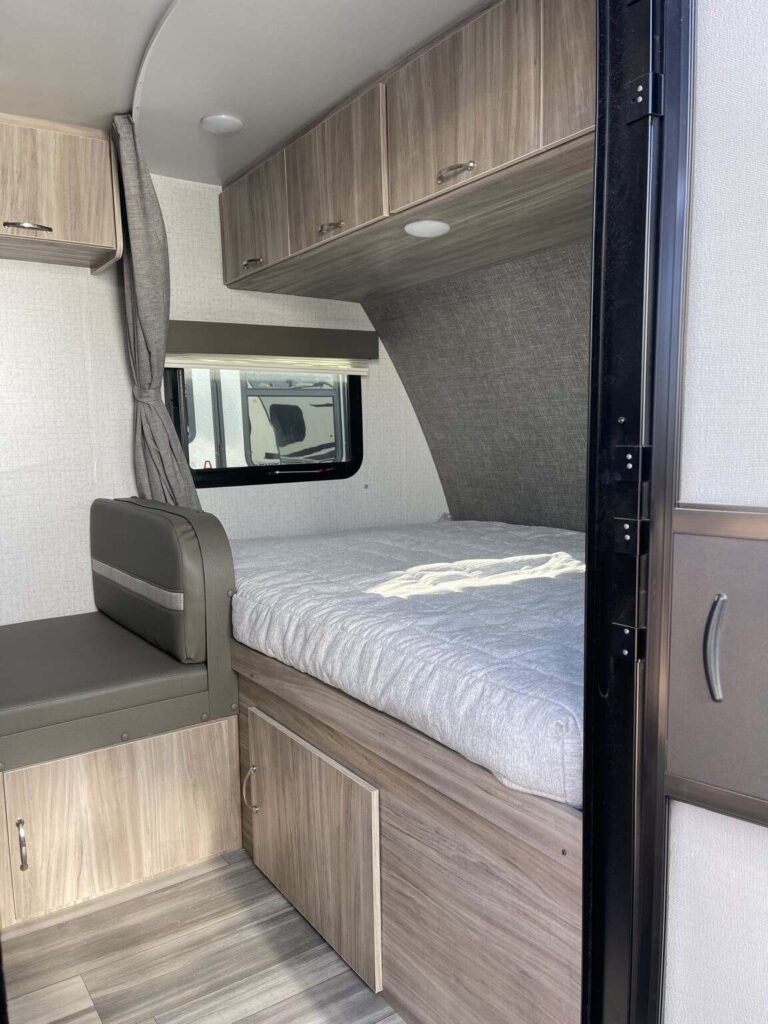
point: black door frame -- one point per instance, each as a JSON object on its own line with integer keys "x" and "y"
{"x": 641, "y": 193}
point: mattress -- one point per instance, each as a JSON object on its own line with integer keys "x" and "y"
{"x": 470, "y": 632}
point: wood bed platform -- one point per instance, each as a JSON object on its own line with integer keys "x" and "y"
{"x": 480, "y": 884}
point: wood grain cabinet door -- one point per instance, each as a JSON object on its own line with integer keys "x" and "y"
{"x": 569, "y": 68}
{"x": 468, "y": 105}
{"x": 337, "y": 173}
{"x": 316, "y": 836}
{"x": 96, "y": 822}
{"x": 721, "y": 743}
{"x": 59, "y": 180}
{"x": 254, "y": 219}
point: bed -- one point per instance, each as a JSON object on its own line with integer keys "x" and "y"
{"x": 470, "y": 632}
{"x": 441, "y": 667}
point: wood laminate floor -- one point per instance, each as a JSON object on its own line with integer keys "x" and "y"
{"x": 213, "y": 944}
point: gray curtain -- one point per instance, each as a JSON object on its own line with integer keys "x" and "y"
{"x": 162, "y": 471}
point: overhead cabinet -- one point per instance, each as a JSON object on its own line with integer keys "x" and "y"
{"x": 336, "y": 177}
{"x": 254, "y": 219}
{"x": 488, "y": 128}
{"x": 468, "y": 105}
{"x": 58, "y": 194}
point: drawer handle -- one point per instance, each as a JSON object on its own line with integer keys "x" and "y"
{"x": 453, "y": 169}
{"x": 251, "y": 807}
{"x": 712, "y": 646}
{"x": 331, "y": 225}
{"x": 253, "y": 261}
{"x": 24, "y": 866}
{"x": 28, "y": 224}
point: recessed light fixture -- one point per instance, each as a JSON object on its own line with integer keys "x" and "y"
{"x": 221, "y": 124}
{"x": 427, "y": 228}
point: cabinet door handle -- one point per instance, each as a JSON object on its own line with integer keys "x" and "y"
{"x": 251, "y": 807}
{"x": 453, "y": 169}
{"x": 253, "y": 261}
{"x": 712, "y": 646}
{"x": 28, "y": 224}
{"x": 24, "y": 866}
{"x": 331, "y": 225}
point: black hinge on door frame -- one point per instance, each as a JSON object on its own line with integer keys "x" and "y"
{"x": 629, "y": 139}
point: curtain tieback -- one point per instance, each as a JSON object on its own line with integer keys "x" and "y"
{"x": 148, "y": 396}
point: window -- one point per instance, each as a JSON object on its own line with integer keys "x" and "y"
{"x": 266, "y": 426}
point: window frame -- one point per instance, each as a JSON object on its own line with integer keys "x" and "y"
{"x": 243, "y": 476}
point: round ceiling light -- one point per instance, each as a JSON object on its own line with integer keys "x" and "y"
{"x": 427, "y": 228}
{"x": 221, "y": 124}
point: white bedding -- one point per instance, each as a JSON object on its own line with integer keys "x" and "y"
{"x": 470, "y": 632}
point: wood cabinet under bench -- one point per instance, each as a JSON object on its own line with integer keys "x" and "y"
{"x": 480, "y": 885}
{"x": 93, "y": 823}
{"x": 457, "y": 132}
{"x": 59, "y": 197}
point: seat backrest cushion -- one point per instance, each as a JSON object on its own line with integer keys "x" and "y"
{"x": 148, "y": 575}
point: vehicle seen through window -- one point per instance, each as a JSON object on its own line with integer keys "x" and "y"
{"x": 248, "y": 426}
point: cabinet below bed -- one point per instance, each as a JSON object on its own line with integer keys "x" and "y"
{"x": 315, "y": 828}
{"x": 480, "y": 884}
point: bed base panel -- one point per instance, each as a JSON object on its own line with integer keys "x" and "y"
{"x": 481, "y": 885}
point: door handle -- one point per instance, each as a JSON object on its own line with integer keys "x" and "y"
{"x": 712, "y": 647}
{"x": 251, "y": 807}
{"x": 453, "y": 169}
{"x": 24, "y": 866}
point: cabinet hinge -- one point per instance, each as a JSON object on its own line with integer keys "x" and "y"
{"x": 627, "y": 642}
{"x": 645, "y": 97}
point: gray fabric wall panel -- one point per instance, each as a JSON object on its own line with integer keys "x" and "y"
{"x": 496, "y": 365}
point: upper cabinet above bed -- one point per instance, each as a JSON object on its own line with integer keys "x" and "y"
{"x": 487, "y": 128}
{"x": 469, "y": 104}
{"x": 336, "y": 173}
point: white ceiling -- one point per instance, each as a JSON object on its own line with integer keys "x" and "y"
{"x": 73, "y": 60}
{"x": 276, "y": 65}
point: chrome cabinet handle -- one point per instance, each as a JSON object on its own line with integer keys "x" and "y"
{"x": 28, "y": 224}
{"x": 254, "y": 261}
{"x": 331, "y": 225}
{"x": 251, "y": 807}
{"x": 24, "y": 866}
{"x": 453, "y": 169}
{"x": 712, "y": 646}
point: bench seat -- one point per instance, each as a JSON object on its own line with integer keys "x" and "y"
{"x": 78, "y": 666}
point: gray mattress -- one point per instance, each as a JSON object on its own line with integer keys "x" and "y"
{"x": 470, "y": 632}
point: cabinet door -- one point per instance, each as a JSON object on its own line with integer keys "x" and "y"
{"x": 336, "y": 173}
{"x": 720, "y": 743}
{"x": 569, "y": 68}
{"x": 316, "y": 836}
{"x": 468, "y": 105}
{"x": 97, "y": 822}
{"x": 59, "y": 180}
{"x": 254, "y": 219}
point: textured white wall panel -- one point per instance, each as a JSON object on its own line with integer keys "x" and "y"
{"x": 725, "y": 413}
{"x": 398, "y": 482}
{"x": 66, "y": 414}
{"x": 717, "y": 920}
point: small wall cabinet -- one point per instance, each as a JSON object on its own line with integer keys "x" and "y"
{"x": 59, "y": 200}
{"x": 466, "y": 106}
{"x": 336, "y": 179}
{"x": 97, "y": 822}
{"x": 316, "y": 837}
{"x": 254, "y": 219}
{"x": 719, "y": 742}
